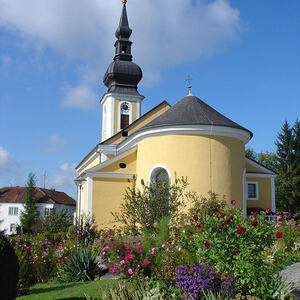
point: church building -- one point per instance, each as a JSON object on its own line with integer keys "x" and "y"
{"x": 189, "y": 139}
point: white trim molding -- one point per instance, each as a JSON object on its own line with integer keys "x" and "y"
{"x": 89, "y": 204}
{"x": 159, "y": 166}
{"x": 273, "y": 194}
{"x": 132, "y": 98}
{"x": 109, "y": 175}
{"x": 87, "y": 161}
{"x": 256, "y": 190}
{"x": 208, "y": 130}
{"x": 112, "y": 160}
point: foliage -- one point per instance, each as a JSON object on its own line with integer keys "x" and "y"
{"x": 29, "y": 215}
{"x": 9, "y": 269}
{"x": 202, "y": 206}
{"x": 40, "y": 254}
{"x": 82, "y": 266}
{"x": 198, "y": 279}
{"x": 143, "y": 208}
{"x": 232, "y": 244}
{"x": 86, "y": 230}
{"x": 288, "y": 180}
{"x": 56, "y": 222}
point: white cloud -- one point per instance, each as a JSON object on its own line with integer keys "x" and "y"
{"x": 55, "y": 144}
{"x": 5, "y": 60}
{"x": 7, "y": 163}
{"x": 65, "y": 179}
{"x": 165, "y": 33}
{"x": 81, "y": 96}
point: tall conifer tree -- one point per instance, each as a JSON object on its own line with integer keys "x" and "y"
{"x": 29, "y": 214}
{"x": 285, "y": 155}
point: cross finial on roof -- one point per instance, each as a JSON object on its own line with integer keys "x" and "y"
{"x": 189, "y": 81}
{"x": 124, "y": 1}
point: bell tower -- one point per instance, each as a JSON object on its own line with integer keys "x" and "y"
{"x": 122, "y": 101}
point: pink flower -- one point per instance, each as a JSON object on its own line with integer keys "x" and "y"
{"x": 122, "y": 287}
{"x": 140, "y": 250}
{"x": 279, "y": 234}
{"x": 45, "y": 253}
{"x": 255, "y": 214}
{"x": 122, "y": 262}
{"x": 196, "y": 218}
{"x": 233, "y": 202}
{"x": 113, "y": 269}
{"x": 126, "y": 247}
{"x": 59, "y": 256}
{"x": 146, "y": 262}
{"x": 128, "y": 257}
{"x": 111, "y": 246}
{"x": 130, "y": 271}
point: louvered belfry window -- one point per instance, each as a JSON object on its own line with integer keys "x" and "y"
{"x": 124, "y": 121}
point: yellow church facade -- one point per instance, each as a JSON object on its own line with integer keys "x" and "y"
{"x": 189, "y": 139}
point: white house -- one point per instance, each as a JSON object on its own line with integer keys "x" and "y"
{"x": 12, "y": 204}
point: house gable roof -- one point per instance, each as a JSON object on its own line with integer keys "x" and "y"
{"x": 17, "y": 195}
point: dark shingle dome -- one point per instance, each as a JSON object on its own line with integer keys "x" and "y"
{"x": 193, "y": 111}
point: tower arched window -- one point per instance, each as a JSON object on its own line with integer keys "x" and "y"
{"x": 125, "y": 112}
{"x": 160, "y": 176}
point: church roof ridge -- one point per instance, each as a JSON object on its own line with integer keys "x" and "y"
{"x": 193, "y": 111}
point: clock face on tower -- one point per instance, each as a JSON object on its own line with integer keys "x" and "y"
{"x": 125, "y": 107}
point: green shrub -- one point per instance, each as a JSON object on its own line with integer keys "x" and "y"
{"x": 233, "y": 244}
{"x": 55, "y": 223}
{"x": 82, "y": 266}
{"x": 9, "y": 269}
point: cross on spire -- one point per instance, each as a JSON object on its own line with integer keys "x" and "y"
{"x": 189, "y": 81}
{"x": 124, "y": 1}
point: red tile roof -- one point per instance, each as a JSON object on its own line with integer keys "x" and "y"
{"x": 17, "y": 195}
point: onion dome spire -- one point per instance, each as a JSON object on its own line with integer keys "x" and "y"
{"x": 123, "y": 75}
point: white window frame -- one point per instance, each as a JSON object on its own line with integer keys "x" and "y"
{"x": 14, "y": 229}
{"x": 256, "y": 190}
{"x": 14, "y": 210}
{"x": 49, "y": 211}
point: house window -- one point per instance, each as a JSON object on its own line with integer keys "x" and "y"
{"x": 13, "y": 228}
{"x": 160, "y": 176}
{"x": 252, "y": 188}
{"x": 13, "y": 211}
{"x": 48, "y": 211}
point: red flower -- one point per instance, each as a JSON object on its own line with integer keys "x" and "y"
{"x": 220, "y": 215}
{"x": 198, "y": 225}
{"x": 241, "y": 230}
{"x": 214, "y": 229}
{"x": 254, "y": 223}
{"x": 196, "y": 218}
{"x": 237, "y": 251}
{"x": 207, "y": 244}
{"x": 278, "y": 234}
{"x": 163, "y": 209}
{"x": 126, "y": 247}
{"x": 255, "y": 214}
{"x": 269, "y": 210}
{"x": 228, "y": 220}
{"x": 233, "y": 202}
{"x": 216, "y": 209}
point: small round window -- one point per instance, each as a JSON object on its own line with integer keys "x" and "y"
{"x": 160, "y": 176}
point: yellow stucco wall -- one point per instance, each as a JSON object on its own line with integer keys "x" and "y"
{"x": 210, "y": 163}
{"x": 250, "y": 168}
{"x": 264, "y": 191}
{"x": 130, "y": 162}
{"x": 107, "y": 196}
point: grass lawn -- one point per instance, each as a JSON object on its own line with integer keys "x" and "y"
{"x": 74, "y": 290}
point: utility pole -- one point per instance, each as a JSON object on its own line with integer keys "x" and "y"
{"x": 44, "y": 176}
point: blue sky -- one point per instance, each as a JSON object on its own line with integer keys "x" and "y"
{"x": 243, "y": 57}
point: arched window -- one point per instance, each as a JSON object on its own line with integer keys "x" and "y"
{"x": 125, "y": 114}
{"x": 160, "y": 176}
